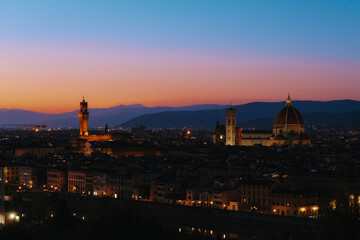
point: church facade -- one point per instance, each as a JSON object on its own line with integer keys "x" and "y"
{"x": 288, "y": 129}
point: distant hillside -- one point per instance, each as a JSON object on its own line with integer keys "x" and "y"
{"x": 196, "y": 116}
{"x": 349, "y": 120}
{"x": 257, "y": 115}
{"x": 98, "y": 116}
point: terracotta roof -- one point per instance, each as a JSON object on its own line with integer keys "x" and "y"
{"x": 288, "y": 115}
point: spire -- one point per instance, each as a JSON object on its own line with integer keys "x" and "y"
{"x": 217, "y": 122}
{"x": 83, "y": 99}
{"x": 288, "y": 101}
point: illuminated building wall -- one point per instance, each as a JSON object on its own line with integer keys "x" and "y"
{"x": 38, "y": 151}
{"x": 84, "y": 117}
{"x": 26, "y": 176}
{"x": 255, "y": 196}
{"x": 230, "y": 126}
{"x": 238, "y": 136}
{"x": 56, "y": 179}
{"x": 120, "y": 185}
{"x": 11, "y": 174}
{"x": 299, "y": 204}
{"x": 95, "y": 138}
{"x": 161, "y": 190}
{"x": 251, "y": 138}
{"x": 99, "y": 184}
{"x": 76, "y": 181}
{"x": 88, "y": 182}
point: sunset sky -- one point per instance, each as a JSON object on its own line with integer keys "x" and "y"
{"x": 176, "y": 53}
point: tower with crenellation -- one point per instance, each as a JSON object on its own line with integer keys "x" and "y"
{"x": 84, "y": 117}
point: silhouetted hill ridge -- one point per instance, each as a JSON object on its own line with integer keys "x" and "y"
{"x": 251, "y": 114}
{"x": 195, "y": 116}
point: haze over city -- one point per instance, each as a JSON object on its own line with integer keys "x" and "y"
{"x": 172, "y": 53}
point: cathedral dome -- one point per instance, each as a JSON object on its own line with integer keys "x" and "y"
{"x": 288, "y": 120}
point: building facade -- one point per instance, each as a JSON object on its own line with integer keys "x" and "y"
{"x": 26, "y": 176}
{"x": 57, "y": 179}
{"x": 288, "y": 129}
{"x": 230, "y": 126}
{"x": 294, "y": 202}
{"x": 79, "y": 141}
{"x": 11, "y": 174}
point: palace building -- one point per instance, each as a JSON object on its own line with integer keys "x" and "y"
{"x": 84, "y": 133}
{"x": 83, "y": 141}
{"x": 288, "y": 129}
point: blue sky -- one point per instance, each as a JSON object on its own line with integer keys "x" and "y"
{"x": 325, "y": 29}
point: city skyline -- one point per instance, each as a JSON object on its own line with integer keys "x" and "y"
{"x": 168, "y": 119}
{"x": 171, "y": 54}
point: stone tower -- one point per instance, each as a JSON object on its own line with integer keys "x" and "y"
{"x": 230, "y": 126}
{"x": 83, "y": 117}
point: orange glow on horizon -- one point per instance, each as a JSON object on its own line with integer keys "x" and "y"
{"x": 56, "y": 110}
{"x": 52, "y": 78}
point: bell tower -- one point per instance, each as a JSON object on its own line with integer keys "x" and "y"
{"x": 230, "y": 126}
{"x": 84, "y": 117}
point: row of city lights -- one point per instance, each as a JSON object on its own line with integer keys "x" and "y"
{"x": 211, "y": 232}
{"x": 302, "y": 210}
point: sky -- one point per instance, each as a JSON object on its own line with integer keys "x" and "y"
{"x": 175, "y": 53}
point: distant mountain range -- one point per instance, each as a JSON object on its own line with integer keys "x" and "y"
{"x": 338, "y": 113}
{"x": 258, "y": 115}
{"x": 346, "y": 120}
{"x": 113, "y": 116}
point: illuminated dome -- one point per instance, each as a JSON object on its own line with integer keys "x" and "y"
{"x": 288, "y": 121}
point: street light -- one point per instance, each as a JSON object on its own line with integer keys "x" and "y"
{"x": 12, "y": 216}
